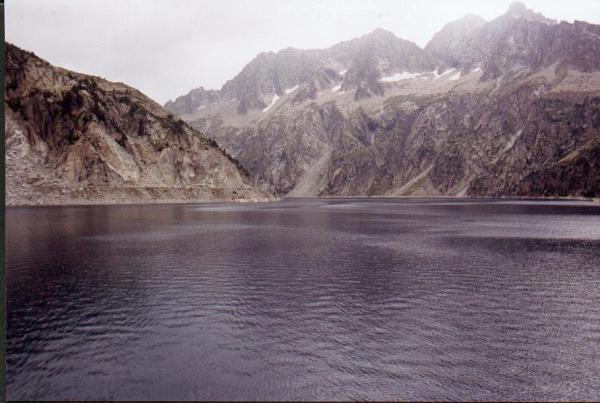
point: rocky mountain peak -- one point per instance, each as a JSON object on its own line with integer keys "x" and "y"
{"x": 518, "y": 9}
{"x": 380, "y": 40}
{"x": 447, "y": 43}
{"x": 380, "y": 34}
{"x": 196, "y": 98}
{"x": 470, "y": 18}
{"x": 519, "y": 40}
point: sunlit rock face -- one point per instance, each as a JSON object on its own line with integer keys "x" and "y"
{"x": 73, "y": 138}
{"x": 505, "y": 107}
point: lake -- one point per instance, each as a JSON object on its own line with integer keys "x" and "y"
{"x": 358, "y": 298}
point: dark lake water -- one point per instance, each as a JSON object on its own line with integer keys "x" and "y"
{"x": 406, "y": 299}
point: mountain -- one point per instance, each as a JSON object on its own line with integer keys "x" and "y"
{"x": 75, "y": 138}
{"x": 446, "y": 44}
{"x": 488, "y": 108}
{"x": 355, "y": 65}
{"x": 523, "y": 42}
{"x": 198, "y": 97}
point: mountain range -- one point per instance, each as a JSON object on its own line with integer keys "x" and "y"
{"x": 507, "y": 107}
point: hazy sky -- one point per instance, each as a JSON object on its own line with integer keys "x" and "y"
{"x": 167, "y": 47}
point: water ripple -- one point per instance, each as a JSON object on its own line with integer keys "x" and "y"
{"x": 402, "y": 299}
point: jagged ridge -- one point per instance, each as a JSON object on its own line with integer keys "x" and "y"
{"x": 487, "y": 108}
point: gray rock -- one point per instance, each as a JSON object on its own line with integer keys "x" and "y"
{"x": 518, "y": 115}
{"x": 74, "y": 138}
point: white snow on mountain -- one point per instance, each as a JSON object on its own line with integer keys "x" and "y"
{"x": 435, "y": 74}
{"x": 399, "y": 76}
{"x": 455, "y": 77}
{"x": 290, "y": 90}
{"x": 445, "y": 73}
{"x": 275, "y": 98}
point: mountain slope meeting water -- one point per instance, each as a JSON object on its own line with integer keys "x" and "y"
{"x": 508, "y": 107}
{"x": 74, "y": 138}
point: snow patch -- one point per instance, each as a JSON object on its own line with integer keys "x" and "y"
{"x": 290, "y": 90}
{"x": 476, "y": 70}
{"x": 445, "y": 73}
{"x": 454, "y": 77}
{"x": 275, "y": 98}
{"x": 341, "y": 92}
{"x": 201, "y": 107}
{"x": 428, "y": 75}
{"x": 399, "y": 76}
{"x": 342, "y": 72}
{"x": 435, "y": 74}
{"x": 336, "y": 88}
{"x": 512, "y": 140}
{"x": 463, "y": 192}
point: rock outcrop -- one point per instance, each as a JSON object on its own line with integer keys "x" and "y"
{"x": 74, "y": 138}
{"x": 356, "y": 65}
{"x": 448, "y": 44}
{"x": 498, "y": 108}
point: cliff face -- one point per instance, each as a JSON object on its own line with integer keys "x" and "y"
{"x": 448, "y": 44}
{"x": 505, "y": 107}
{"x": 447, "y": 145}
{"x": 73, "y": 138}
{"x": 196, "y": 98}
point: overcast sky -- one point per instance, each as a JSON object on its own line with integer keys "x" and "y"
{"x": 167, "y": 47}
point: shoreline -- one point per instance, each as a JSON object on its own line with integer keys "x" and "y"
{"x": 141, "y": 202}
{"x": 546, "y": 198}
{"x": 591, "y": 200}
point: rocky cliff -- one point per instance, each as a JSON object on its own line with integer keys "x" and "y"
{"x": 505, "y": 107}
{"x": 74, "y": 138}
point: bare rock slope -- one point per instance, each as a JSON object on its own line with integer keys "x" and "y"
{"x": 503, "y": 107}
{"x": 74, "y": 138}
